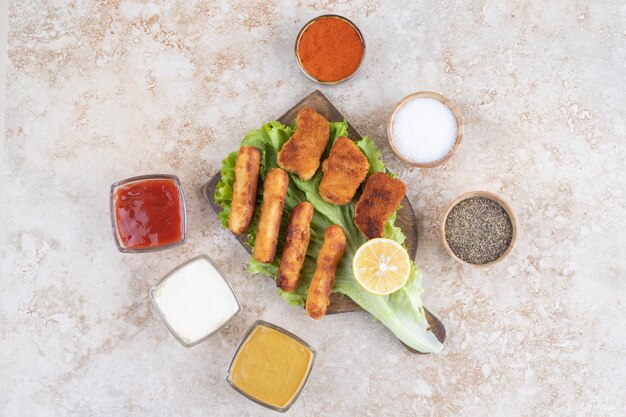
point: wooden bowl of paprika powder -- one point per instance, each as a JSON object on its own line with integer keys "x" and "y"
{"x": 330, "y": 49}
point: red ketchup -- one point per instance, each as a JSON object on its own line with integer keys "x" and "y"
{"x": 149, "y": 214}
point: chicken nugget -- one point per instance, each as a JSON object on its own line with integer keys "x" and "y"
{"x": 301, "y": 154}
{"x": 344, "y": 170}
{"x": 380, "y": 198}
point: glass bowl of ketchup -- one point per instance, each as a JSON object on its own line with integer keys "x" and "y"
{"x": 148, "y": 213}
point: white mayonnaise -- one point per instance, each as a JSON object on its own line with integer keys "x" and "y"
{"x": 195, "y": 300}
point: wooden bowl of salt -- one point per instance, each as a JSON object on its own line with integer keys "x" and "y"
{"x": 425, "y": 129}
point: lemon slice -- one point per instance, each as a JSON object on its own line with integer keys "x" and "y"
{"x": 381, "y": 266}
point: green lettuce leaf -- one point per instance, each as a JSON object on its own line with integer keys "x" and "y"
{"x": 373, "y": 155}
{"x": 224, "y": 189}
{"x": 392, "y": 231}
{"x": 402, "y": 312}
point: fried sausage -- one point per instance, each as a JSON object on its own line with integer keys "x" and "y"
{"x": 274, "y": 192}
{"x": 297, "y": 241}
{"x": 318, "y": 296}
{"x": 244, "y": 189}
{"x": 301, "y": 154}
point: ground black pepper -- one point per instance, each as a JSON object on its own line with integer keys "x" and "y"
{"x": 478, "y": 230}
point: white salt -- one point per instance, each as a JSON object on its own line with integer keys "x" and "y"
{"x": 195, "y": 300}
{"x": 424, "y": 130}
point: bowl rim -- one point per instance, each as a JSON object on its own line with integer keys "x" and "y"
{"x": 115, "y": 186}
{"x": 306, "y": 26}
{"x": 254, "y": 325}
{"x": 448, "y": 103}
{"x": 155, "y": 304}
{"x": 490, "y": 196}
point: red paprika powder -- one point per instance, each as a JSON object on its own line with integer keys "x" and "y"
{"x": 330, "y": 49}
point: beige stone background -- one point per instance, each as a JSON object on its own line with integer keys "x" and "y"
{"x": 100, "y": 91}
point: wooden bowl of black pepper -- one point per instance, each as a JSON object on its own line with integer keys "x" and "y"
{"x": 478, "y": 229}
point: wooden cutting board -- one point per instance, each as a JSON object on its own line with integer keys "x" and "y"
{"x": 406, "y": 218}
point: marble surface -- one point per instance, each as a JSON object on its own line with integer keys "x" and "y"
{"x": 100, "y": 91}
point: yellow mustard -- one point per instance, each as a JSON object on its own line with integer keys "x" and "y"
{"x": 271, "y": 366}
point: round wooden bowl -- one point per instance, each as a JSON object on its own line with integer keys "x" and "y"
{"x": 489, "y": 196}
{"x": 306, "y": 26}
{"x": 459, "y": 121}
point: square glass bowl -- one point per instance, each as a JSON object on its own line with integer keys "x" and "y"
{"x": 148, "y": 213}
{"x": 195, "y": 300}
{"x": 271, "y": 366}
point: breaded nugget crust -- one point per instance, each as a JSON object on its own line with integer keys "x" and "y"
{"x": 344, "y": 170}
{"x": 381, "y": 196}
{"x": 302, "y": 152}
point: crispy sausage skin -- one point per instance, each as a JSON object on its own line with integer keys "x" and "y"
{"x": 274, "y": 192}
{"x": 297, "y": 241}
{"x": 244, "y": 189}
{"x": 318, "y": 296}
